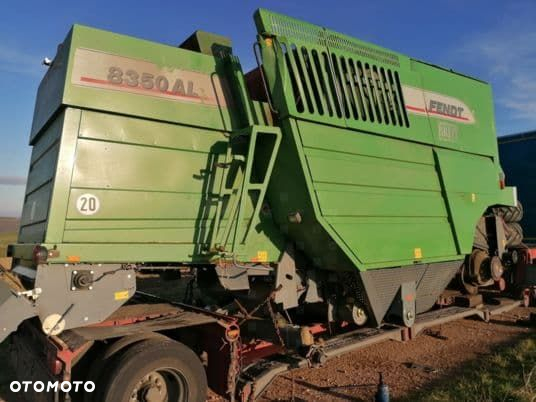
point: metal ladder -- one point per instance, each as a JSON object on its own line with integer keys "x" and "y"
{"x": 228, "y": 230}
{"x": 228, "y": 235}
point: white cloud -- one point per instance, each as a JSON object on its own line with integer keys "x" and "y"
{"x": 13, "y": 60}
{"x": 507, "y": 56}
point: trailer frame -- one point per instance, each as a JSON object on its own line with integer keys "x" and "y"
{"x": 236, "y": 370}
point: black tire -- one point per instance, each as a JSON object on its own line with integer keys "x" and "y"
{"x": 97, "y": 375}
{"x": 514, "y": 234}
{"x": 180, "y": 368}
{"x": 510, "y": 214}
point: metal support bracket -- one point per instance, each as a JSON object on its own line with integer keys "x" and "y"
{"x": 246, "y": 184}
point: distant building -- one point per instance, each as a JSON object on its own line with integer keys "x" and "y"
{"x": 517, "y": 153}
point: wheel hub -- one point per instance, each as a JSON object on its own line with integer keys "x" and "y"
{"x": 151, "y": 388}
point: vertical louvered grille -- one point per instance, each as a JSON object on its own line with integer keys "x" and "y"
{"x": 343, "y": 87}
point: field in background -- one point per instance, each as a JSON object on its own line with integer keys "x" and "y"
{"x": 5, "y": 239}
{"x": 9, "y": 225}
{"x": 9, "y": 228}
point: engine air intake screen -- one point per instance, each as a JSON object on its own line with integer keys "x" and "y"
{"x": 340, "y": 86}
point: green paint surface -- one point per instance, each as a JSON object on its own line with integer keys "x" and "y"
{"x": 188, "y": 171}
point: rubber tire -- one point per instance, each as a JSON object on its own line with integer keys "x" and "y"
{"x": 514, "y": 234}
{"x": 510, "y": 214}
{"x": 146, "y": 356}
{"x": 97, "y": 375}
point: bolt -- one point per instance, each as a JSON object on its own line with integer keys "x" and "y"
{"x": 75, "y": 272}
{"x": 99, "y": 265}
{"x": 129, "y": 276}
{"x": 73, "y": 288}
{"x": 5, "y": 329}
{"x": 66, "y": 265}
{"x": 91, "y": 272}
{"x": 90, "y": 288}
{"x": 86, "y": 318}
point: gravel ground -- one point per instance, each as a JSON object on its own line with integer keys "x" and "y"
{"x": 406, "y": 367}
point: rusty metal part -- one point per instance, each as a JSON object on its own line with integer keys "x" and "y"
{"x": 479, "y": 263}
{"x": 274, "y": 321}
{"x": 135, "y": 319}
{"x": 11, "y": 279}
{"x": 242, "y": 309}
{"x": 270, "y": 297}
{"x": 143, "y": 296}
{"x": 235, "y": 367}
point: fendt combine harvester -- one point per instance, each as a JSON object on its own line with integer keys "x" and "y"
{"x": 335, "y": 192}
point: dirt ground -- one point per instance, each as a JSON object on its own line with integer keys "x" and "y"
{"x": 407, "y": 367}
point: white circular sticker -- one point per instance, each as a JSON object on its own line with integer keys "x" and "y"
{"x": 87, "y": 204}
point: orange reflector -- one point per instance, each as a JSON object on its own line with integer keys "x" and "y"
{"x": 73, "y": 258}
{"x": 409, "y": 297}
{"x": 233, "y": 333}
{"x": 502, "y": 180}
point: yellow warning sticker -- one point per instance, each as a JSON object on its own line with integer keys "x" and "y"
{"x": 417, "y": 253}
{"x": 122, "y": 295}
{"x": 262, "y": 256}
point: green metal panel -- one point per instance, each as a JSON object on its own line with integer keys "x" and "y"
{"x": 102, "y": 70}
{"x": 51, "y": 88}
{"x": 469, "y": 195}
{"x": 151, "y": 160}
{"x": 63, "y": 176}
{"x": 372, "y": 131}
{"x": 52, "y": 150}
{"x": 478, "y": 137}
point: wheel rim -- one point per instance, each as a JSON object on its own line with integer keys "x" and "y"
{"x": 162, "y": 385}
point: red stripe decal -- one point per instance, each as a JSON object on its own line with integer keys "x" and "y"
{"x": 422, "y": 110}
{"x": 141, "y": 89}
{"x": 417, "y": 109}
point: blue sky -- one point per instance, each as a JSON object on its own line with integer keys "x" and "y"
{"x": 492, "y": 40}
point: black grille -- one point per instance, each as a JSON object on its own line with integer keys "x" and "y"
{"x": 336, "y": 86}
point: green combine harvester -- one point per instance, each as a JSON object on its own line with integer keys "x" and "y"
{"x": 337, "y": 183}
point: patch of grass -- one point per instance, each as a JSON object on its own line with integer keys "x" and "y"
{"x": 508, "y": 375}
{"x": 5, "y": 239}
